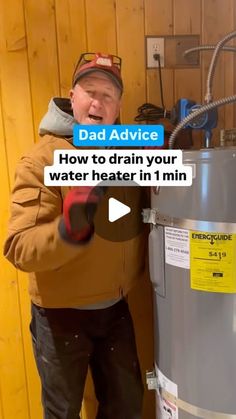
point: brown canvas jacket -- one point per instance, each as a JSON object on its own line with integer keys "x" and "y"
{"x": 63, "y": 274}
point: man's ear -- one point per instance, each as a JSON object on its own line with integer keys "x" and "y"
{"x": 71, "y": 93}
{"x": 118, "y": 110}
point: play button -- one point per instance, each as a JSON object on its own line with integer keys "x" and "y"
{"x": 118, "y": 216}
{"x": 116, "y": 210}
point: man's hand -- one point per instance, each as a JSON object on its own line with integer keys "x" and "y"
{"x": 79, "y": 208}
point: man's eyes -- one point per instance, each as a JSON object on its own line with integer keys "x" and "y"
{"x": 105, "y": 96}
{"x": 108, "y": 97}
{"x": 89, "y": 92}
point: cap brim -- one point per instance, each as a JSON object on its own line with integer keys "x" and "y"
{"x": 100, "y": 70}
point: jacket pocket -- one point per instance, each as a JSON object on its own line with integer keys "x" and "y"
{"x": 25, "y": 208}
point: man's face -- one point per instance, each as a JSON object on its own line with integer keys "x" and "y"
{"x": 95, "y": 100}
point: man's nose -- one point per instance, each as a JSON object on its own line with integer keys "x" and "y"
{"x": 96, "y": 102}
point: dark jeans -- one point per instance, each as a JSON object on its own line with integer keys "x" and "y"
{"x": 67, "y": 341}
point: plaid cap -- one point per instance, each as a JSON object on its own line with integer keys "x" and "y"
{"x": 90, "y": 62}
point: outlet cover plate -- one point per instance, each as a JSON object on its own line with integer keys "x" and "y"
{"x": 154, "y": 45}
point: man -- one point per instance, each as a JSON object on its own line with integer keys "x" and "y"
{"x": 80, "y": 268}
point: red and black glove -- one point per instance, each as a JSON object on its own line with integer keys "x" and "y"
{"x": 79, "y": 208}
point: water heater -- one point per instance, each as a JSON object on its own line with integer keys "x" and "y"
{"x": 192, "y": 254}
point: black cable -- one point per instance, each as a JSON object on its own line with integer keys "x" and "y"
{"x": 148, "y": 111}
{"x": 158, "y": 58}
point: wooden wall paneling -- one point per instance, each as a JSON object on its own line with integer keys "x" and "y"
{"x": 19, "y": 134}
{"x": 16, "y": 100}
{"x": 229, "y": 110}
{"x": 1, "y": 408}
{"x": 187, "y": 82}
{"x": 153, "y": 87}
{"x": 159, "y": 17}
{"x": 13, "y": 385}
{"x": 42, "y": 55}
{"x": 71, "y": 39}
{"x": 187, "y": 20}
{"x": 159, "y": 21}
{"x": 214, "y": 27}
{"x": 229, "y": 74}
{"x": 1, "y": 403}
{"x": 187, "y": 17}
{"x": 18, "y": 137}
{"x": 188, "y": 78}
{"x": 130, "y": 41}
{"x": 101, "y": 26}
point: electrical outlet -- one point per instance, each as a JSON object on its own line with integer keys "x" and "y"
{"x": 154, "y": 46}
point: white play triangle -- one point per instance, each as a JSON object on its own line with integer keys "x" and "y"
{"x": 116, "y": 210}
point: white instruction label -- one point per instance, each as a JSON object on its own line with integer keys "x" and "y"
{"x": 166, "y": 409}
{"x": 177, "y": 247}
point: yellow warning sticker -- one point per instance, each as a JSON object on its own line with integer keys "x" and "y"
{"x": 212, "y": 261}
